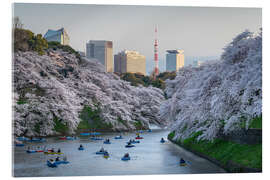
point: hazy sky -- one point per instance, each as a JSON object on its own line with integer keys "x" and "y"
{"x": 198, "y": 31}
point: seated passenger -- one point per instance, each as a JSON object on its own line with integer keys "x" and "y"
{"x": 59, "y": 150}
{"x": 182, "y": 161}
{"x": 57, "y": 159}
{"x": 126, "y": 155}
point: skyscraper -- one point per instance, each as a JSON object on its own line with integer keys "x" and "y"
{"x": 59, "y": 35}
{"x": 174, "y": 60}
{"x": 129, "y": 61}
{"x": 102, "y": 51}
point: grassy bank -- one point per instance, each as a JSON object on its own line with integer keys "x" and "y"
{"x": 231, "y": 156}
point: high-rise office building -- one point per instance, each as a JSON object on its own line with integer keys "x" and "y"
{"x": 102, "y": 51}
{"x": 175, "y": 60}
{"x": 129, "y": 61}
{"x": 59, "y": 35}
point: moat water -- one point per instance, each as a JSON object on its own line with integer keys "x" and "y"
{"x": 147, "y": 157}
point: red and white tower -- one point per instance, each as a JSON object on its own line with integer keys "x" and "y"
{"x": 156, "y": 54}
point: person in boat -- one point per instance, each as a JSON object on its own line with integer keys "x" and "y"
{"x": 59, "y": 150}
{"x": 51, "y": 161}
{"x": 126, "y": 155}
{"x": 102, "y": 150}
{"x": 108, "y": 140}
{"x": 162, "y": 139}
{"x": 28, "y": 148}
{"x": 65, "y": 158}
{"x": 57, "y": 158}
{"x": 52, "y": 150}
{"x": 182, "y": 161}
{"x": 129, "y": 144}
{"x": 81, "y": 146}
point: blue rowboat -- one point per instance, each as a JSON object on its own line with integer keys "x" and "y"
{"x": 129, "y": 146}
{"x": 61, "y": 162}
{"x": 37, "y": 140}
{"x": 125, "y": 158}
{"x": 22, "y": 138}
{"x": 133, "y": 142}
{"x": 49, "y": 164}
{"x": 19, "y": 145}
{"x": 80, "y": 148}
{"x": 118, "y": 137}
{"x": 31, "y": 151}
{"x": 100, "y": 152}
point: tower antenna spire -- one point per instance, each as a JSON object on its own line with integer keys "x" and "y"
{"x": 156, "y": 54}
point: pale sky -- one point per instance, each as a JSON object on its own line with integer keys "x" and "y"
{"x": 199, "y": 31}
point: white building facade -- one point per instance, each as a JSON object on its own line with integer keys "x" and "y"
{"x": 175, "y": 60}
{"x": 129, "y": 61}
{"x": 102, "y": 51}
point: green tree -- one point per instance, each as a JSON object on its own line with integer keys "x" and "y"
{"x": 25, "y": 40}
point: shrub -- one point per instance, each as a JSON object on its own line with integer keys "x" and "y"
{"x": 56, "y": 45}
{"x": 25, "y": 40}
{"x": 60, "y": 126}
{"x": 137, "y": 79}
{"x": 91, "y": 119}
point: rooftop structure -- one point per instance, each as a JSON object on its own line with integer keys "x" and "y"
{"x": 59, "y": 35}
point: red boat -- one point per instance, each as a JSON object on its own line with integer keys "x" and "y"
{"x": 63, "y": 138}
{"x": 138, "y": 137}
{"x": 40, "y": 151}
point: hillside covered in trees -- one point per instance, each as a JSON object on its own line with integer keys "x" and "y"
{"x": 55, "y": 91}
{"x": 219, "y": 97}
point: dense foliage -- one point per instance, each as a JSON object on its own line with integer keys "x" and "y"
{"x": 25, "y": 40}
{"x": 224, "y": 151}
{"x": 219, "y": 97}
{"x": 56, "y": 45}
{"x": 91, "y": 119}
{"x": 137, "y": 79}
{"x": 55, "y": 93}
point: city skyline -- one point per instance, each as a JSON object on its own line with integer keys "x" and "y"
{"x": 132, "y": 27}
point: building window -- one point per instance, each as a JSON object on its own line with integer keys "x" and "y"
{"x": 92, "y": 50}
